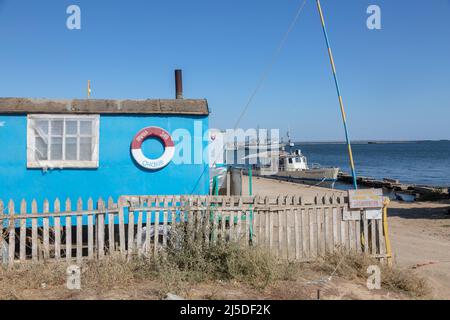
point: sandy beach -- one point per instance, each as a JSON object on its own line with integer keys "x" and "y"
{"x": 419, "y": 231}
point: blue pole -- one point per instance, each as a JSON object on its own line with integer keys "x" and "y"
{"x": 341, "y": 104}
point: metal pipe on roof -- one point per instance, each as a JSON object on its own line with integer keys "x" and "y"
{"x": 178, "y": 84}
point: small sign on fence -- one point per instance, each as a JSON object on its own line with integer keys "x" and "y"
{"x": 351, "y": 215}
{"x": 365, "y": 198}
{"x": 374, "y": 214}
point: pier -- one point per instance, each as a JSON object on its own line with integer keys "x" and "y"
{"x": 421, "y": 192}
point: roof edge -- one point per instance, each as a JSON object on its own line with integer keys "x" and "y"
{"x": 104, "y": 106}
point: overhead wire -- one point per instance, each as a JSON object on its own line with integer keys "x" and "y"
{"x": 262, "y": 78}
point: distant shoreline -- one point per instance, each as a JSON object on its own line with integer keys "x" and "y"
{"x": 371, "y": 141}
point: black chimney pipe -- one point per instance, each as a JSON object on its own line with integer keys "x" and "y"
{"x": 178, "y": 84}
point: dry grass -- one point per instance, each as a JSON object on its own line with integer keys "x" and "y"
{"x": 354, "y": 266}
{"x": 175, "y": 269}
{"x": 192, "y": 263}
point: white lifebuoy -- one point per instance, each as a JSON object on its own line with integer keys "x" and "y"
{"x": 143, "y": 161}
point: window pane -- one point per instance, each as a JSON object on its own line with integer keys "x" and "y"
{"x": 40, "y": 152}
{"x": 41, "y": 127}
{"x": 86, "y": 127}
{"x": 56, "y": 149}
{"x": 85, "y": 149}
{"x": 71, "y": 127}
{"x": 57, "y": 127}
{"x": 71, "y": 148}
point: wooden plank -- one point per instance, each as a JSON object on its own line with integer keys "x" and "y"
{"x": 320, "y": 232}
{"x": 231, "y": 234}
{"x": 90, "y": 219}
{"x": 207, "y": 221}
{"x": 197, "y": 220}
{"x": 344, "y": 234}
{"x": 156, "y": 227}
{"x": 358, "y": 235}
{"x": 148, "y": 226}
{"x": 365, "y": 234}
{"x": 373, "y": 237}
{"x": 239, "y": 222}
{"x": 305, "y": 233}
{"x": 12, "y": 233}
{"x": 261, "y": 219}
{"x": 34, "y": 233}
{"x": 111, "y": 243}
{"x": 214, "y": 227}
{"x": 189, "y": 218}
{"x": 381, "y": 241}
{"x": 101, "y": 229}
{"x": 223, "y": 217}
{"x": 193, "y": 107}
{"x": 79, "y": 231}
{"x": 267, "y": 224}
{"x": 270, "y": 231}
{"x": 248, "y": 219}
{"x": 297, "y": 235}
{"x": 121, "y": 226}
{"x": 328, "y": 231}
{"x": 57, "y": 220}
{"x": 165, "y": 213}
{"x": 68, "y": 231}
{"x": 288, "y": 232}
{"x": 130, "y": 231}
{"x": 279, "y": 214}
{"x": 139, "y": 234}
{"x": 336, "y": 225}
{"x": 312, "y": 233}
{"x": 23, "y": 231}
{"x": 46, "y": 231}
{"x": 352, "y": 231}
{"x": 255, "y": 227}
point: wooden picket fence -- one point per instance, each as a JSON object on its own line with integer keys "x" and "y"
{"x": 291, "y": 227}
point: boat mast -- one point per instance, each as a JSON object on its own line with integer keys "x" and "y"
{"x": 333, "y": 67}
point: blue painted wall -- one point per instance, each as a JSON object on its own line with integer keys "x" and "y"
{"x": 116, "y": 175}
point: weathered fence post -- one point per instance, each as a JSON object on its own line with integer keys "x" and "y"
{"x": 68, "y": 231}
{"x": 12, "y": 233}
{"x": 101, "y": 228}
{"x": 57, "y": 221}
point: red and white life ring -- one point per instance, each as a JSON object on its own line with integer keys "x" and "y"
{"x": 149, "y": 132}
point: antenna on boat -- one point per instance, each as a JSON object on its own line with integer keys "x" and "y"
{"x": 290, "y": 143}
{"x": 333, "y": 67}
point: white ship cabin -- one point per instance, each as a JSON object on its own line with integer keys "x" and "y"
{"x": 293, "y": 161}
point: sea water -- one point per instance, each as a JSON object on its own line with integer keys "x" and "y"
{"x": 418, "y": 162}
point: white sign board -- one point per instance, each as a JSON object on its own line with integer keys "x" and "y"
{"x": 365, "y": 198}
{"x": 374, "y": 214}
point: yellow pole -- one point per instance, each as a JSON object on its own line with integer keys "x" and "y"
{"x": 341, "y": 103}
{"x": 386, "y": 231}
{"x": 89, "y": 89}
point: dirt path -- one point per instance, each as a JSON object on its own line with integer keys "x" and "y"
{"x": 420, "y": 235}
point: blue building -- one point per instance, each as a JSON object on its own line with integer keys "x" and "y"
{"x": 101, "y": 148}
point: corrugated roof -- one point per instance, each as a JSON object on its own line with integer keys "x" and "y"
{"x": 104, "y": 106}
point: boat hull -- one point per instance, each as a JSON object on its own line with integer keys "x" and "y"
{"x": 322, "y": 177}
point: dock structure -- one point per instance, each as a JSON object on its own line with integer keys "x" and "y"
{"x": 421, "y": 192}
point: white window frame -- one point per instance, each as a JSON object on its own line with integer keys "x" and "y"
{"x": 32, "y": 162}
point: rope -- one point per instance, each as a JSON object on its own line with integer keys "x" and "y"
{"x": 269, "y": 67}
{"x": 263, "y": 77}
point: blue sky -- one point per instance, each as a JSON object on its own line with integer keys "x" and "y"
{"x": 395, "y": 82}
